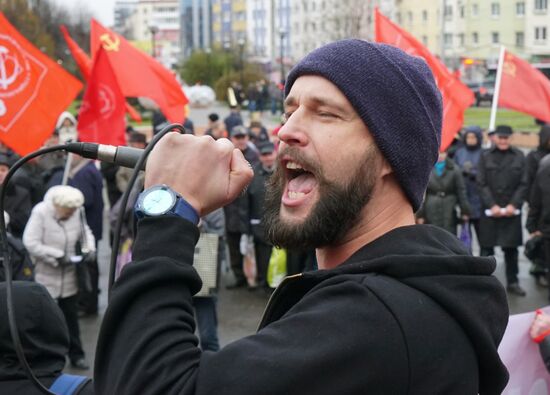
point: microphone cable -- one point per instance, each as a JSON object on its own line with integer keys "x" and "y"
{"x": 4, "y": 256}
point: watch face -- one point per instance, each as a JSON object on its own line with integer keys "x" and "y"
{"x": 158, "y": 201}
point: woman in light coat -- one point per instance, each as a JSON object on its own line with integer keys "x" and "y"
{"x": 55, "y": 227}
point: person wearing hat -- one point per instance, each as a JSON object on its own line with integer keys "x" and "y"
{"x": 502, "y": 183}
{"x": 256, "y": 196}
{"x": 395, "y": 308}
{"x": 236, "y": 218}
{"x": 233, "y": 119}
{"x": 55, "y": 235}
{"x": 17, "y": 201}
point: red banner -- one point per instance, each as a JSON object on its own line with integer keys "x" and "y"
{"x": 34, "y": 91}
{"x": 523, "y": 88}
{"x": 139, "y": 74}
{"x": 457, "y": 97}
{"x": 101, "y": 118}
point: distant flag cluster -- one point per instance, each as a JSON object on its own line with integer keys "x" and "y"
{"x": 34, "y": 90}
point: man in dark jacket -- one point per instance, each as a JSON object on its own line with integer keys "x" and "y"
{"x": 44, "y": 337}
{"x": 502, "y": 182}
{"x": 395, "y": 307}
{"x": 467, "y": 158}
{"x": 256, "y": 197}
{"x": 87, "y": 178}
{"x": 534, "y": 157}
{"x": 538, "y": 219}
{"x": 233, "y": 119}
{"x": 17, "y": 202}
{"x": 236, "y": 212}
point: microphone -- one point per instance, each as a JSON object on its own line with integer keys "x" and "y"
{"x": 119, "y": 155}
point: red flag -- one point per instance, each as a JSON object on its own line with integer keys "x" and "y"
{"x": 101, "y": 118}
{"x": 457, "y": 97}
{"x": 139, "y": 74}
{"x": 523, "y": 88}
{"x": 81, "y": 58}
{"x": 34, "y": 90}
{"x": 84, "y": 63}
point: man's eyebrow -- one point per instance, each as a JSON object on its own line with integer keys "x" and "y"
{"x": 318, "y": 101}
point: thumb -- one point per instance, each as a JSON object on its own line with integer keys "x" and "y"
{"x": 240, "y": 174}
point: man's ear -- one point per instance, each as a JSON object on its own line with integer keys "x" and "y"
{"x": 385, "y": 168}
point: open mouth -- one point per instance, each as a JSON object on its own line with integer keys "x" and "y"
{"x": 300, "y": 183}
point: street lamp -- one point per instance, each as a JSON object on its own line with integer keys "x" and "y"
{"x": 241, "y": 54}
{"x": 154, "y": 30}
{"x": 208, "y": 52}
{"x": 226, "y": 48}
{"x": 282, "y": 34}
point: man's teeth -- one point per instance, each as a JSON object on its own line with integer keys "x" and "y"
{"x": 295, "y": 195}
{"x": 293, "y": 165}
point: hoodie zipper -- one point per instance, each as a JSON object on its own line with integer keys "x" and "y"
{"x": 275, "y": 295}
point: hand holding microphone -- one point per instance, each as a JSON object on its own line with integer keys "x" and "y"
{"x": 207, "y": 173}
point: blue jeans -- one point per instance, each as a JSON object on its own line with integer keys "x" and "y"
{"x": 207, "y": 322}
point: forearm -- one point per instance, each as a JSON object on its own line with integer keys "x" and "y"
{"x": 149, "y": 324}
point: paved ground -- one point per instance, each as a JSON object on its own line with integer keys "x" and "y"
{"x": 240, "y": 311}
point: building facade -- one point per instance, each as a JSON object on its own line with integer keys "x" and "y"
{"x": 229, "y": 23}
{"x": 155, "y": 27}
{"x": 196, "y": 26}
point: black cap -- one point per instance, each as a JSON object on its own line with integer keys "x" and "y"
{"x": 5, "y": 160}
{"x": 213, "y": 117}
{"x": 266, "y": 147}
{"x": 238, "y": 130}
{"x": 137, "y": 137}
{"x": 504, "y": 130}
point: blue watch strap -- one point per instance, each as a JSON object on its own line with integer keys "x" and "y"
{"x": 185, "y": 210}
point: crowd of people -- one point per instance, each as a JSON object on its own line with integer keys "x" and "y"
{"x": 55, "y": 209}
{"x": 485, "y": 189}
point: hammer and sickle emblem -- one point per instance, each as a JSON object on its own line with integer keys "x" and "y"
{"x": 509, "y": 67}
{"x": 108, "y": 43}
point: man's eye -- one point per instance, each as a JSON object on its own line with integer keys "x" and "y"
{"x": 327, "y": 115}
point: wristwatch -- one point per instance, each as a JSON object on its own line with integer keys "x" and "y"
{"x": 162, "y": 200}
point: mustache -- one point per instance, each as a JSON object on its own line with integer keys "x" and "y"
{"x": 296, "y": 155}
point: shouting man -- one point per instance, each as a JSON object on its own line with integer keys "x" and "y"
{"x": 395, "y": 308}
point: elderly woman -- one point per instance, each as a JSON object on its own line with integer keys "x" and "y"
{"x": 54, "y": 229}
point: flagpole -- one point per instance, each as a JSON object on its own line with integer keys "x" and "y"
{"x": 496, "y": 92}
{"x": 67, "y": 169}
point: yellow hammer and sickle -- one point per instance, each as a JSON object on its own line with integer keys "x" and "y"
{"x": 509, "y": 68}
{"x": 108, "y": 43}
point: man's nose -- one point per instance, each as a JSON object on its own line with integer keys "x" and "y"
{"x": 293, "y": 132}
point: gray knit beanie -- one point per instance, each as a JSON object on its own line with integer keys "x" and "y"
{"x": 396, "y": 97}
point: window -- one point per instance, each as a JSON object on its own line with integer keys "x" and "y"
{"x": 448, "y": 40}
{"x": 495, "y": 38}
{"x": 461, "y": 40}
{"x": 475, "y": 38}
{"x": 520, "y": 8}
{"x": 410, "y": 16}
{"x": 520, "y": 39}
{"x": 540, "y": 33}
{"x": 425, "y": 40}
{"x": 448, "y": 12}
{"x": 398, "y": 17}
{"x": 475, "y": 10}
{"x": 462, "y": 11}
{"x": 424, "y": 16}
{"x": 541, "y": 5}
{"x": 495, "y": 9}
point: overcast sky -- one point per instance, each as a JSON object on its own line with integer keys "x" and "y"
{"x": 102, "y": 9}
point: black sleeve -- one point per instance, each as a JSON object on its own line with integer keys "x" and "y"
{"x": 535, "y": 203}
{"x": 146, "y": 344}
{"x": 544, "y": 348}
{"x": 461, "y": 194}
{"x": 484, "y": 190}
{"x": 520, "y": 193}
{"x": 20, "y": 212}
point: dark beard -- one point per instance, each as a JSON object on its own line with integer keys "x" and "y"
{"x": 337, "y": 211}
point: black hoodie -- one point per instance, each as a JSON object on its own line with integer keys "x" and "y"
{"x": 409, "y": 313}
{"x": 533, "y": 158}
{"x": 44, "y": 336}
